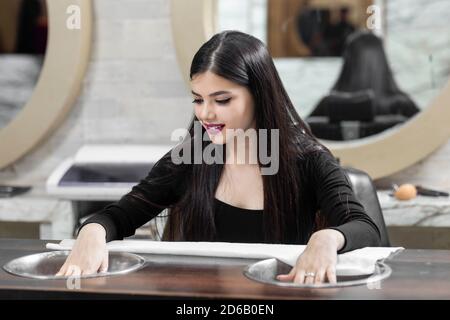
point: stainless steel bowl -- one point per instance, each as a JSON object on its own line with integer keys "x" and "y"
{"x": 45, "y": 265}
{"x": 265, "y": 271}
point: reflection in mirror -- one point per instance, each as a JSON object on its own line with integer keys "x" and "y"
{"x": 365, "y": 100}
{"x": 353, "y": 68}
{"x": 23, "y": 39}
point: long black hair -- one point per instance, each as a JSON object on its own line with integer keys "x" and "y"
{"x": 366, "y": 67}
{"x": 244, "y": 60}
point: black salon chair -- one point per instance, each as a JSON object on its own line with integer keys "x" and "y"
{"x": 352, "y": 115}
{"x": 366, "y": 193}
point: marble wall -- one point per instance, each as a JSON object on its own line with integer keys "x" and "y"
{"x": 417, "y": 42}
{"x": 18, "y": 77}
{"x": 418, "y": 37}
{"x": 134, "y": 93}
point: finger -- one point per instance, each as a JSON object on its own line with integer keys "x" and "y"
{"x": 287, "y": 277}
{"x": 320, "y": 276}
{"x": 309, "y": 279}
{"x": 105, "y": 262}
{"x": 73, "y": 271}
{"x": 69, "y": 270}
{"x": 300, "y": 276}
{"x": 62, "y": 270}
{"x": 331, "y": 275}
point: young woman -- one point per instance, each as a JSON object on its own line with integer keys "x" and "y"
{"x": 308, "y": 200}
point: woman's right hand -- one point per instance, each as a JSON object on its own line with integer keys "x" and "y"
{"x": 89, "y": 253}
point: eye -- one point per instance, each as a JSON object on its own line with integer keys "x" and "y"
{"x": 197, "y": 101}
{"x": 224, "y": 101}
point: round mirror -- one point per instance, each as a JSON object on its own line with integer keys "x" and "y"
{"x": 381, "y": 118}
{"x": 45, "y": 48}
{"x": 353, "y": 69}
{"x": 23, "y": 40}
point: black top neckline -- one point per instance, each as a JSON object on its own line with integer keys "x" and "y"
{"x": 258, "y": 211}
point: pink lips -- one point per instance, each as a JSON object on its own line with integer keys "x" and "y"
{"x": 214, "y": 127}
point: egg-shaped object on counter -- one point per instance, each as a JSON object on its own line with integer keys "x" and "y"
{"x": 405, "y": 192}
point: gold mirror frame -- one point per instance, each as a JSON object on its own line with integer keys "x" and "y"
{"x": 60, "y": 80}
{"x": 193, "y": 23}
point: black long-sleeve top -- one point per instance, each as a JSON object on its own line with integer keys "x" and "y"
{"x": 327, "y": 189}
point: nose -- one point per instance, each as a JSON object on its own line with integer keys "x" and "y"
{"x": 206, "y": 111}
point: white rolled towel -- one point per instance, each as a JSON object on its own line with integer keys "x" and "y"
{"x": 357, "y": 262}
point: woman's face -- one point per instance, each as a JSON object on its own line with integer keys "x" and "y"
{"x": 221, "y": 104}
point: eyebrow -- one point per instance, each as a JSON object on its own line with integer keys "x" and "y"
{"x": 217, "y": 93}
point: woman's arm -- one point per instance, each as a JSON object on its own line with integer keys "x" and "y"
{"x": 145, "y": 201}
{"x": 349, "y": 227}
{"x": 121, "y": 219}
{"x": 339, "y": 206}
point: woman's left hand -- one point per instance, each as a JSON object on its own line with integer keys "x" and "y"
{"x": 319, "y": 258}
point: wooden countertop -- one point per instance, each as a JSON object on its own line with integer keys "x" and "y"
{"x": 416, "y": 274}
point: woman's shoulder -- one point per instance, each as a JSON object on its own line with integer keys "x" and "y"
{"x": 168, "y": 168}
{"x": 308, "y": 148}
{"x": 313, "y": 157}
